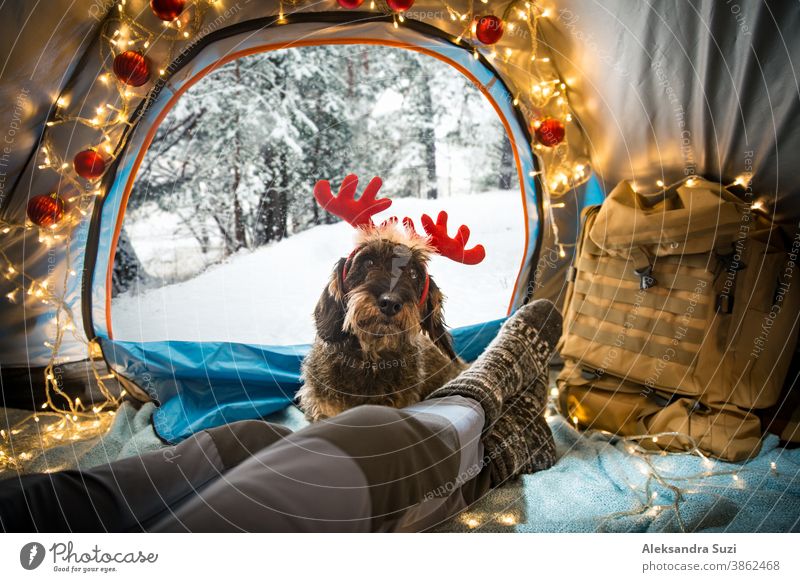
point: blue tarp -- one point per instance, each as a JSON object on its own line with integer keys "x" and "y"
{"x": 207, "y": 384}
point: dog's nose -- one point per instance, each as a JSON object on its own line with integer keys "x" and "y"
{"x": 390, "y": 304}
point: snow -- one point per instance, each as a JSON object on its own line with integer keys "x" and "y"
{"x": 267, "y": 296}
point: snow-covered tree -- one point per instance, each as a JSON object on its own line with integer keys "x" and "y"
{"x": 236, "y": 159}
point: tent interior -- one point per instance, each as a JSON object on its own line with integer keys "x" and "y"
{"x": 162, "y": 252}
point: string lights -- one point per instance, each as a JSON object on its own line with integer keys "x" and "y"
{"x": 132, "y": 66}
{"x": 55, "y": 215}
{"x": 662, "y": 490}
{"x": 510, "y": 38}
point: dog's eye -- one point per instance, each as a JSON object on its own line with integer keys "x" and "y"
{"x": 368, "y": 263}
{"x": 413, "y": 274}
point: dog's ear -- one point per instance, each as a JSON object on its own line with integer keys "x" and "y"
{"x": 330, "y": 310}
{"x": 433, "y": 320}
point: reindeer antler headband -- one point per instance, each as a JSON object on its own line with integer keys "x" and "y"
{"x": 359, "y": 213}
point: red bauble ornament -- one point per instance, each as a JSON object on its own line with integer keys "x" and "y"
{"x": 488, "y": 29}
{"x": 167, "y": 9}
{"x": 400, "y": 5}
{"x": 350, "y": 4}
{"x": 131, "y": 68}
{"x": 89, "y": 164}
{"x": 550, "y": 132}
{"x": 46, "y": 209}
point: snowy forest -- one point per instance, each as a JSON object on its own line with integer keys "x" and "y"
{"x": 235, "y": 161}
{"x": 225, "y": 188}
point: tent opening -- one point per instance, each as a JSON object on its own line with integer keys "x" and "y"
{"x": 222, "y": 239}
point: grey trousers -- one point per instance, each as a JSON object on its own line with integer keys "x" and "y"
{"x": 372, "y": 468}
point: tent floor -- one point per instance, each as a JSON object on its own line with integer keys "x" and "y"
{"x": 596, "y": 485}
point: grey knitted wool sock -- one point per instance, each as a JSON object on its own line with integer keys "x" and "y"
{"x": 520, "y": 441}
{"x": 513, "y": 361}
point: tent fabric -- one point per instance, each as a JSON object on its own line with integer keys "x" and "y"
{"x": 235, "y": 26}
{"x": 673, "y": 88}
{"x": 659, "y": 89}
{"x": 203, "y": 385}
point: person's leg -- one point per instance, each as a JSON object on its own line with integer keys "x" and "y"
{"x": 381, "y": 469}
{"x": 126, "y": 494}
{"x": 367, "y": 469}
{"x": 510, "y": 381}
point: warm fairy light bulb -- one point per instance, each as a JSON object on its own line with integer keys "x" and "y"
{"x": 62, "y": 102}
{"x": 554, "y": 392}
{"x": 507, "y": 519}
{"x": 655, "y": 439}
{"x": 757, "y": 205}
{"x": 660, "y": 183}
{"x": 546, "y": 13}
{"x": 690, "y": 182}
{"x": 562, "y": 253}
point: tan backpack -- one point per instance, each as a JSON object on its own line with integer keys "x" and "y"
{"x": 680, "y": 319}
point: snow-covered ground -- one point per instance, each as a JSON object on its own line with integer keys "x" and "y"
{"x": 267, "y": 296}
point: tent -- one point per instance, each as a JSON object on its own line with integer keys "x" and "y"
{"x": 589, "y": 93}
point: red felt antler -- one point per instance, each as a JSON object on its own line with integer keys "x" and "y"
{"x": 357, "y": 212}
{"x": 452, "y": 248}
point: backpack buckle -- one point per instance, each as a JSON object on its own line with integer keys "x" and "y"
{"x": 646, "y": 279}
{"x": 724, "y": 303}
